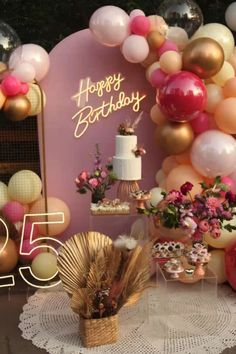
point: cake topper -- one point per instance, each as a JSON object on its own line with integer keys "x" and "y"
{"x": 127, "y": 127}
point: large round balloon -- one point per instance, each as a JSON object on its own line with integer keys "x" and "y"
{"x": 204, "y": 57}
{"x": 8, "y": 255}
{"x": 110, "y": 25}
{"x": 213, "y": 153}
{"x": 9, "y": 41}
{"x": 182, "y": 96}
{"x": 230, "y": 264}
{"x": 54, "y": 206}
{"x": 181, "y": 174}
{"x": 182, "y": 13}
{"x": 174, "y": 138}
{"x": 220, "y": 34}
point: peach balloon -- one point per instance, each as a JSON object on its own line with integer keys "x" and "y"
{"x": 225, "y": 73}
{"x": 225, "y": 115}
{"x": 232, "y": 59}
{"x": 157, "y": 115}
{"x": 158, "y": 24}
{"x": 214, "y": 97}
{"x": 54, "y": 205}
{"x": 168, "y": 164}
{"x": 151, "y": 58}
{"x": 171, "y": 62}
{"x": 160, "y": 176}
{"x": 162, "y": 184}
{"x": 181, "y": 174}
{"x": 184, "y": 158}
{"x": 229, "y": 90}
{"x": 151, "y": 68}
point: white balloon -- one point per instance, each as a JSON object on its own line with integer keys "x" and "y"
{"x": 135, "y": 49}
{"x": 136, "y": 12}
{"x": 156, "y": 196}
{"x": 230, "y": 16}
{"x": 4, "y": 197}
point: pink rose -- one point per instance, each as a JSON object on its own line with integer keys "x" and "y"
{"x": 204, "y": 226}
{"x": 103, "y": 174}
{"x": 215, "y": 233}
{"x": 93, "y": 182}
{"x": 83, "y": 176}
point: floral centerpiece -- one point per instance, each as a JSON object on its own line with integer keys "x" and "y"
{"x": 204, "y": 213}
{"x": 98, "y": 181}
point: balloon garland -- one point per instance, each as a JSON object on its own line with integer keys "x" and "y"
{"x": 192, "y": 67}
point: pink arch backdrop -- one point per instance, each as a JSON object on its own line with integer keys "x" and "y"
{"x": 73, "y": 61}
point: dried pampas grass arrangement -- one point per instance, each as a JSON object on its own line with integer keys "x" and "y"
{"x": 101, "y": 278}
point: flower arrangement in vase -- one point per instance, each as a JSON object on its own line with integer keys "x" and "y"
{"x": 203, "y": 213}
{"x": 101, "y": 277}
{"x": 98, "y": 181}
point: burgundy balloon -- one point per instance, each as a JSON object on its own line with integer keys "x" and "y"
{"x": 230, "y": 264}
{"x": 182, "y": 96}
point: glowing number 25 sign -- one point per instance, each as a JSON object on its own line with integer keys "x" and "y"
{"x": 9, "y": 280}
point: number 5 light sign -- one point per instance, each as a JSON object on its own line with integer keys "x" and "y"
{"x": 48, "y": 243}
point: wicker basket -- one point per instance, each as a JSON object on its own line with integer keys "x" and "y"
{"x": 95, "y": 332}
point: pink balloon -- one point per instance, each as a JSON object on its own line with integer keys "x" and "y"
{"x": 27, "y": 231}
{"x": 140, "y": 25}
{"x": 157, "y": 78}
{"x": 13, "y": 211}
{"x": 34, "y": 55}
{"x": 182, "y": 96}
{"x": 213, "y": 153}
{"x": 135, "y": 49}
{"x": 201, "y": 123}
{"x": 166, "y": 46}
{"x": 24, "y": 72}
{"x": 136, "y": 12}
{"x": 27, "y": 247}
{"x": 24, "y": 88}
{"x": 11, "y": 86}
{"x": 230, "y": 264}
{"x": 229, "y": 182}
{"x": 110, "y": 25}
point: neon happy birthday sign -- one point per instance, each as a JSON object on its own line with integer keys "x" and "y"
{"x": 88, "y": 115}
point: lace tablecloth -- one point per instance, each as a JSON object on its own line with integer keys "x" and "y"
{"x": 50, "y": 324}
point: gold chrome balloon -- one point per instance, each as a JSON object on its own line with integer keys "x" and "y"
{"x": 155, "y": 39}
{"x": 8, "y": 255}
{"x": 174, "y": 138}
{"x": 17, "y": 107}
{"x": 204, "y": 57}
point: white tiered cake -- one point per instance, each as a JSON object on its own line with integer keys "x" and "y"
{"x": 126, "y": 165}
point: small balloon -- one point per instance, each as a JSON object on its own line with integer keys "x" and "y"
{"x": 135, "y": 49}
{"x": 201, "y": 123}
{"x": 182, "y": 13}
{"x": 157, "y": 78}
{"x": 225, "y": 115}
{"x": 158, "y": 24}
{"x": 160, "y": 176}
{"x": 182, "y": 96}
{"x": 110, "y": 25}
{"x": 230, "y": 15}
{"x": 13, "y": 211}
{"x": 157, "y": 115}
{"x": 229, "y": 90}
{"x": 204, "y": 57}
{"x": 11, "y": 86}
{"x": 168, "y": 164}
{"x": 24, "y": 72}
{"x": 44, "y": 265}
{"x": 155, "y": 39}
{"x": 171, "y": 62}
{"x": 179, "y": 36}
{"x": 140, "y": 25}
{"x": 174, "y": 138}
{"x": 151, "y": 69}
{"x": 214, "y": 96}
{"x": 34, "y": 96}
{"x": 167, "y": 46}
{"x": 156, "y": 196}
{"x": 16, "y": 108}
{"x": 136, "y": 12}
{"x": 213, "y": 153}
{"x": 226, "y": 73}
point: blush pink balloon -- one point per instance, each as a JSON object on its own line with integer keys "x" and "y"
{"x": 166, "y": 46}
{"x": 182, "y": 96}
{"x": 24, "y": 88}
{"x": 27, "y": 230}
{"x": 24, "y": 72}
{"x": 27, "y": 248}
{"x": 110, "y": 25}
{"x": 34, "y": 55}
{"x": 13, "y": 211}
{"x": 135, "y": 49}
{"x": 201, "y": 123}
{"x": 213, "y": 153}
{"x": 230, "y": 264}
{"x": 136, "y": 12}
{"x": 140, "y": 25}
{"x": 229, "y": 182}
{"x": 157, "y": 78}
{"x": 11, "y": 86}
{"x": 232, "y": 176}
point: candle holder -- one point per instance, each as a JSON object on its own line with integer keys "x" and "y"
{"x": 174, "y": 267}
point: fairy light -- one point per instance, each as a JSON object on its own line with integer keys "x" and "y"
{"x": 10, "y": 276}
